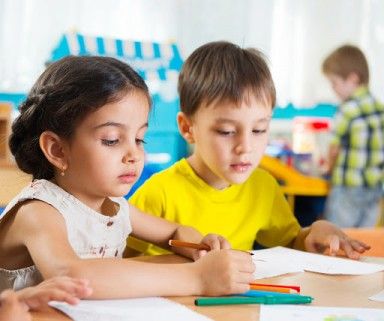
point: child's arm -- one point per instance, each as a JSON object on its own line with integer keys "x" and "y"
{"x": 159, "y": 231}
{"x": 333, "y": 153}
{"x": 323, "y": 236}
{"x": 42, "y": 230}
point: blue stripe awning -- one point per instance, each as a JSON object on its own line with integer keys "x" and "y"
{"x": 153, "y": 61}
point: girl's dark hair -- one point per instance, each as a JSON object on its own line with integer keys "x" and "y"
{"x": 219, "y": 71}
{"x": 66, "y": 92}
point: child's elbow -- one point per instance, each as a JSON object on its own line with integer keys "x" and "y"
{"x": 73, "y": 269}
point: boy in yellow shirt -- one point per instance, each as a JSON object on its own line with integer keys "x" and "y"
{"x": 227, "y": 95}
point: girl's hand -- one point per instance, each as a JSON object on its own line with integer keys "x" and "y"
{"x": 63, "y": 288}
{"x": 326, "y": 237}
{"x": 11, "y": 309}
{"x": 225, "y": 272}
{"x": 215, "y": 242}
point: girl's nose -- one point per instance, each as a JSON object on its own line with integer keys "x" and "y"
{"x": 130, "y": 158}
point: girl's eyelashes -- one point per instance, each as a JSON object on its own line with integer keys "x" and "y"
{"x": 113, "y": 142}
{"x": 140, "y": 141}
{"x": 109, "y": 142}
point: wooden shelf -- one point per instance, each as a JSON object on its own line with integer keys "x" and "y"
{"x": 12, "y": 181}
{"x": 5, "y": 130}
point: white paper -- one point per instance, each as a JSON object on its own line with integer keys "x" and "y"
{"x": 280, "y": 260}
{"x": 142, "y": 309}
{"x": 378, "y": 297}
{"x": 309, "y": 313}
{"x": 269, "y": 265}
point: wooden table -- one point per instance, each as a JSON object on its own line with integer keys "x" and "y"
{"x": 332, "y": 291}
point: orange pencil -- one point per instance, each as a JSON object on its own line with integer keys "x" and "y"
{"x": 197, "y": 246}
{"x": 271, "y": 289}
{"x": 293, "y": 287}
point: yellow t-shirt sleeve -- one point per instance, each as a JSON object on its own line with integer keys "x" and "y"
{"x": 148, "y": 198}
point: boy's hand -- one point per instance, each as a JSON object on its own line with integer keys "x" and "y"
{"x": 11, "y": 309}
{"x": 324, "y": 237}
{"x": 63, "y": 288}
{"x": 215, "y": 242}
{"x": 225, "y": 272}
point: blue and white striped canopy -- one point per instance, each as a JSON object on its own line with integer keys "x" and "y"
{"x": 153, "y": 61}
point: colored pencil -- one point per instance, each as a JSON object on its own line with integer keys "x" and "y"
{"x": 272, "y": 289}
{"x": 268, "y": 293}
{"x": 293, "y": 287}
{"x": 226, "y": 300}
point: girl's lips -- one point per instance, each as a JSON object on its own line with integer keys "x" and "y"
{"x": 241, "y": 167}
{"x": 128, "y": 178}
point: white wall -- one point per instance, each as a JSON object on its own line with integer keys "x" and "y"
{"x": 295, "y": 34}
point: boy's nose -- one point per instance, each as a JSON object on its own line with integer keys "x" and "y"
{"x": 244, "y": 145}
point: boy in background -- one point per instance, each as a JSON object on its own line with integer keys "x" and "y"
{"x": 356, "y": 155}
{"x": 227, "y": 95}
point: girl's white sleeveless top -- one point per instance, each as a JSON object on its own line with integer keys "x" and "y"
{"x": 91, "y": 234}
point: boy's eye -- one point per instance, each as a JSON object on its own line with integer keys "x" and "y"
{"x": 259, "y": 131}
{"x": 109, "y": 142}
{"x": 225, "y": 132}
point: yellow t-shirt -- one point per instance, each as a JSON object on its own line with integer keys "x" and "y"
{"x": 255, "y": 210}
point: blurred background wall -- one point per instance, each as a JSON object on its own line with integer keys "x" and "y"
{"x": 294, "y": 34}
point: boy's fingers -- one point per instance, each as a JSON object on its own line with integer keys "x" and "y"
{"x": 310, "y": 246}
{"x": 214, "y": 244}
{"x": 360, "y": 246}
{"x": 349, "y": 251}
{"x": 224, "y": 244}
{"x": 334, "y": 245}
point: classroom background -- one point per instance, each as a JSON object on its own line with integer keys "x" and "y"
{"x": 155, "y": 36}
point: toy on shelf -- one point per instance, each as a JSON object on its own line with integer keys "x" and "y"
{"x": 294, "y": 183}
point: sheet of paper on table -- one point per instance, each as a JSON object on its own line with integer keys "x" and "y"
{"x": 280, "y": 260}
{"x": 378, "y": 297}
{"x": 142, "y": 309}
{"x": 306, "y": 313}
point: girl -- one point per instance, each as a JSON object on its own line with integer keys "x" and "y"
{"x": 80, "y": 134}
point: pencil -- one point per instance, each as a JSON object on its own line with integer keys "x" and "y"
{"x": 293, "y": 287}
{"x": 197, "y": 246}
{"x": 272, "y": 288}
{"x": 206, "y": 301}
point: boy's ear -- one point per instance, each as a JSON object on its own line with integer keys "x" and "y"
{"x": 52, "y": 147}
{"x": 354, "y": 77}
{"x": 185, "y": 127}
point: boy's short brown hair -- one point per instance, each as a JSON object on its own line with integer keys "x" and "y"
{"x": 219, "y": 71}
{"x": 345, "y": 60}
